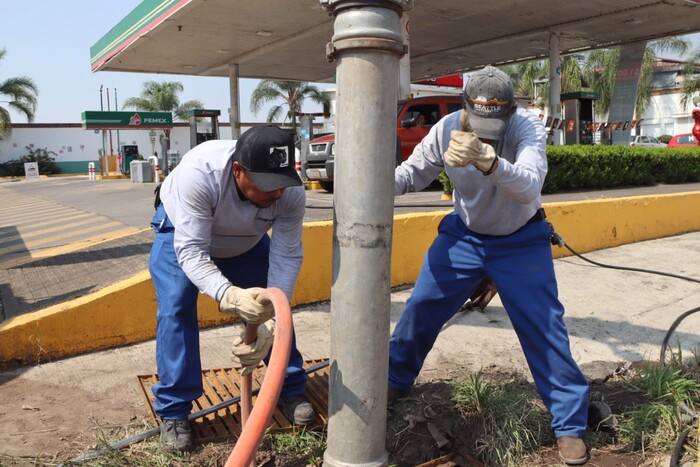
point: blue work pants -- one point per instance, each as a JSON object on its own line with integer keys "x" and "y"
{"x": 521, "y": 266}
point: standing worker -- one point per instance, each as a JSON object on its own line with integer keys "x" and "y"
{"x": 211, "y": 225}
{"x": 494, "y": 153}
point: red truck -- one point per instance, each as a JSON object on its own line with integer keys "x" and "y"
{"x": 414, "y": 119}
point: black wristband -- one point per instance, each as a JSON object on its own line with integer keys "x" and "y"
{"x": 493, "y": 167}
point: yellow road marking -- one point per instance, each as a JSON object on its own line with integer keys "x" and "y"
{"x": 64, "y": 249}
{"x": 55, "y": 228}
{"x": 74, "y": 234}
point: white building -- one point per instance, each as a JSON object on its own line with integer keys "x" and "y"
{"x": 665, "y": 115}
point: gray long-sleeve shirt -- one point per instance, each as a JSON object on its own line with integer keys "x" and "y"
{"x": 497, "y": 204}
{"x": 212, "y": 221}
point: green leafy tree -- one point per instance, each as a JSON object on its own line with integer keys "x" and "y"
{"x": 527, "y": 75}
{"x": 690, "y": 89}
{"x": 600, "y": 71}
{"x": 19, "y": 94}
{"x": 293, "y": 93}
{"x": 597, "y": 70}
{"x": 163, "y": 97}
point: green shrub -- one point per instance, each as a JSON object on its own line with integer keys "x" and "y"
{"x": 665, "y": 138}
{"x": 586, "y": 167}
{"x": 44, "y": 158}
{"x": 446, "y": 182}
{"x": 583, "y": 167}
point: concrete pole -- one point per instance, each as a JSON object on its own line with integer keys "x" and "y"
{"x": 405, "y": 62}
{"x": 366, "y": 45}
{"x": 235, "y": 111}
{"x": 555, "y": 83}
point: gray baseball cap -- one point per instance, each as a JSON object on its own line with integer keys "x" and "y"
{"x": 489, "y": 101}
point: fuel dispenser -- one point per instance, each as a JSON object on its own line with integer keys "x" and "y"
{"x": 129, "y": 152}
{"x": 204, "y": 125}
{"x": 579, "y": 115}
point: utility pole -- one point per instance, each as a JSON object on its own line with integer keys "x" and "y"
{"x": 111, "y": 148}
{"x": 116, "y": 108}
{"x": 104, "y": 162}
{"x": 367, "y": 43}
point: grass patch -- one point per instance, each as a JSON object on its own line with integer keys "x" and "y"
{"x": 305, "y": 445}
{"x": 514, "y": 422}
{"x": 673, "y": 396}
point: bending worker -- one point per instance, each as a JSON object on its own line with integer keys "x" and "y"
{"x": 494, "y": 153}
{"x": 211, "y": 228}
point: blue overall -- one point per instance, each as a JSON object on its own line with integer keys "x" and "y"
{"x": 177, "y": 328}
{"x": 521, "y": 266}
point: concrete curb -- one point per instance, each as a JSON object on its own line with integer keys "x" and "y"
{"x": 124, "y": 313}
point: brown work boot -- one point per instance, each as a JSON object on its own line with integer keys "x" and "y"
{"x": 393, "y": 395}
{"x": 572, "y": 450}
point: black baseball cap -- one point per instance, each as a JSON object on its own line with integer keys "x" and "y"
{"x": 489, "y": 101}
{"x": 267, "y": 154}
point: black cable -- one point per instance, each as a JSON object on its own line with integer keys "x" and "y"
{"x": 676, "y": 454}
{"x": 559, "y": 241}
{"x": 191, "y": 417}
{"x": 670, "y": 331}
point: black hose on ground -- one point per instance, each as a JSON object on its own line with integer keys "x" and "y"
{"x": 676, "y": 454}
{"x": 155, "y": 431}
{"x": 559, "y": 241}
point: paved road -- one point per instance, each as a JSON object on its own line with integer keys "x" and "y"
{"x": 66, "y": 237}
{"x": 39, "y": 217}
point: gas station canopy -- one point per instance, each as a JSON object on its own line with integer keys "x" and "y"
{"x": 287, "y": 39}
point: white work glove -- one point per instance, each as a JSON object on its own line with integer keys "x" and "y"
{"x": 247, "y": 357}
{"x": 465, "y": 148}
{"x": 244, "y": 302}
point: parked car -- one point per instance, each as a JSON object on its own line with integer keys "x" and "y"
{"x": 414, "y": 119}
{"x": 684, "y": 139}
{"x": 646, "y": 142}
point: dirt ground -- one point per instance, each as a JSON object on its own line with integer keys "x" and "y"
{"x": 55, "y": 425}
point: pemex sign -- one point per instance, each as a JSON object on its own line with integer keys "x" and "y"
{"x": 126, "y": 120}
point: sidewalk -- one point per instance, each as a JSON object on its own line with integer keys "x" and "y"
{"x": 613, "y": 317}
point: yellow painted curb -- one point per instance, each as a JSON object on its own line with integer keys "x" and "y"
{"x": 125, "y": 312}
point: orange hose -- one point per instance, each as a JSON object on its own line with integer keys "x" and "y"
{"x": 247, "y": 445}
{"x": 251, "y": 332}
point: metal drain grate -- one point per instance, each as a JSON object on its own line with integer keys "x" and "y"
{"x": 223, "y": 384}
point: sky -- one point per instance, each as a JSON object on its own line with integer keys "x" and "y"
{"x": 49, "y": 41}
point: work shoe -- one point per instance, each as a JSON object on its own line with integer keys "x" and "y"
{"x": 393, "y": 395}
{"x": 176, "y": 436}
{"x": 572, "y": 450}
{"x": 297, "y": 409}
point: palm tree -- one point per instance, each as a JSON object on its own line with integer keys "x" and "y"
{"x": 526, "y": 75}
{"x": 601, "y": 71}
{"x": 293, "y": 93}
{"x": 20, "y": 95}
{"x": 597, "y": 70}
{"x": 691, "y": 81}
{"x": 163, "y": 97}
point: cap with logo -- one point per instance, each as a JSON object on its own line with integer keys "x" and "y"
{"x": 489, "y": 100}
{"x": 267, "y": 154}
